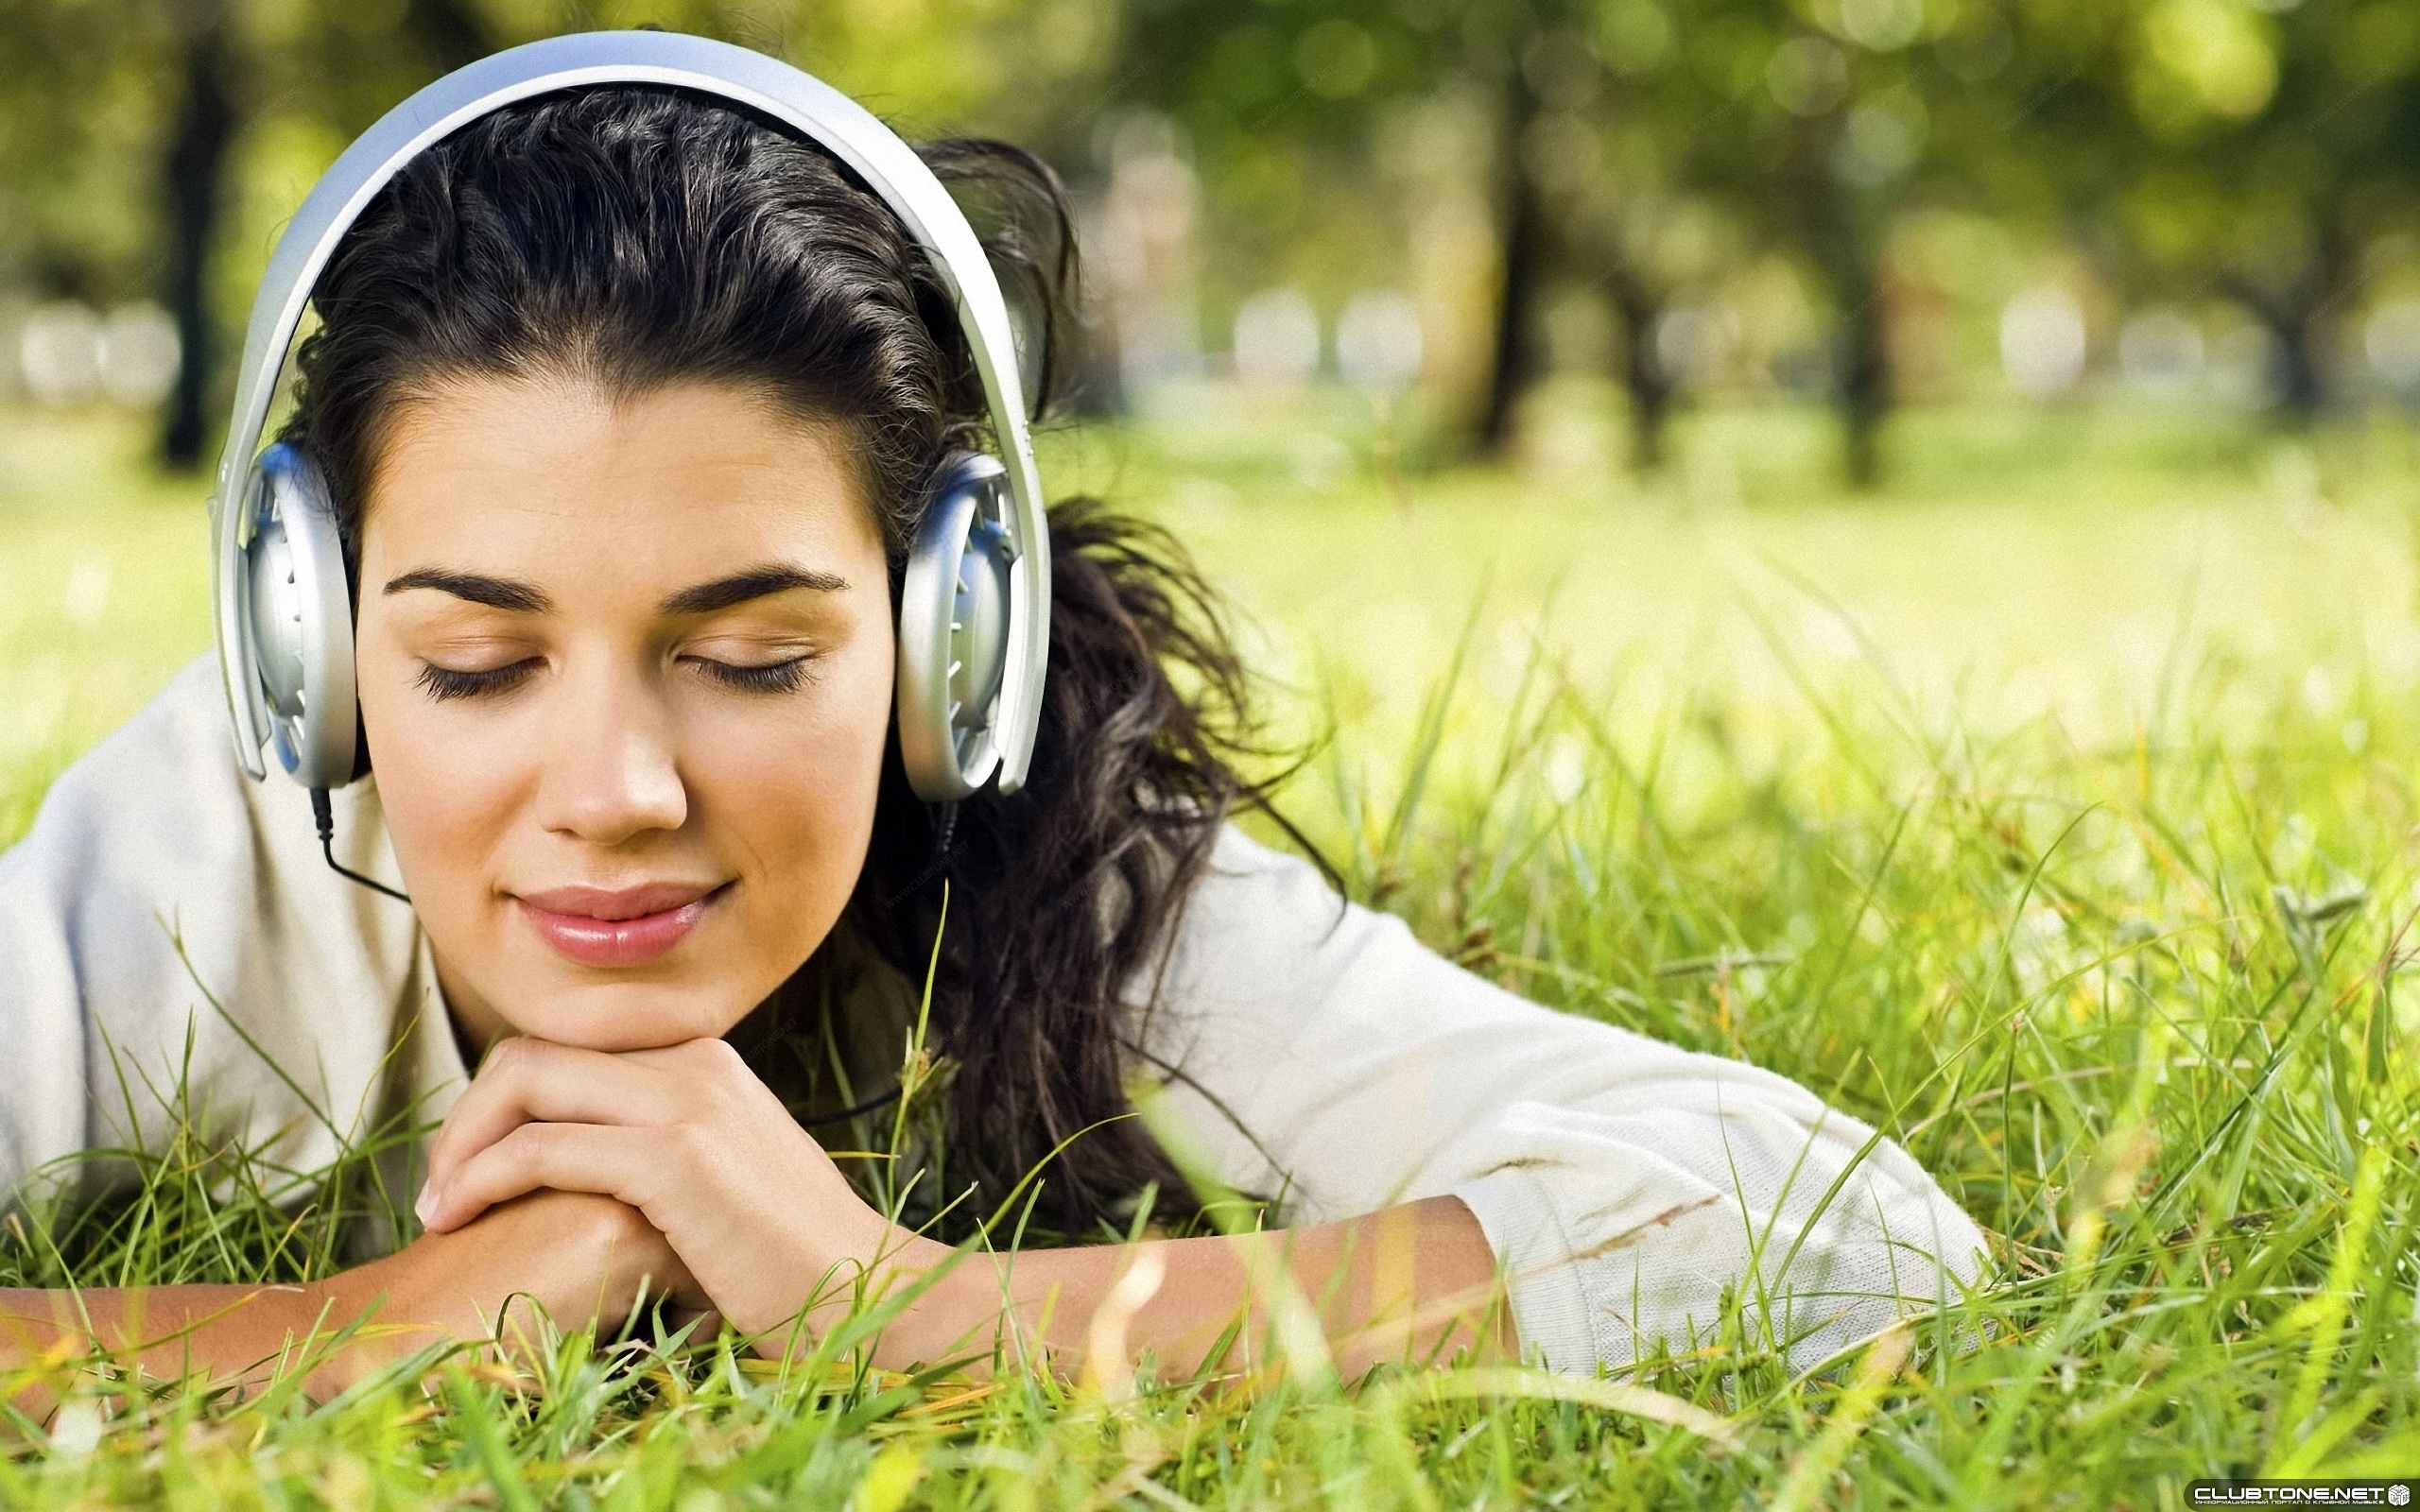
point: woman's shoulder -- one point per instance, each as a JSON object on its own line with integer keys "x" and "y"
{"x": 1265, "y": 941}
{"x": 183, "y": 726}
{"x": 168, "y": 919}
{"x": 158, "y": 830}
{"x": 158, "y": 797}
{"x": 1250, "y": 908}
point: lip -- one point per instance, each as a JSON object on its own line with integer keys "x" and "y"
{"x": 617, "y": 927}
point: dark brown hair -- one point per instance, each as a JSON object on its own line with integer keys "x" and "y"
{"x": 632, "y": 236}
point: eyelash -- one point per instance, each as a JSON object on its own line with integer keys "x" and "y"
{"x": 773, "y": 676}
{"x": 443, "y": 684}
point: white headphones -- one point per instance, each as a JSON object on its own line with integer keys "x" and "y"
{"x": 973, "y": 608}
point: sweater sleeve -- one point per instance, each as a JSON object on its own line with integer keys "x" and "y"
{"x": 1318, "y": 1054}
{"x": 168, "y": 924}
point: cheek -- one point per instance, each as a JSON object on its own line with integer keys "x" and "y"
{"x": 448, "y": 785}
{"x": 795, "y": 796}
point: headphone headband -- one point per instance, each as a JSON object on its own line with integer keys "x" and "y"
{"x": 817, "y": 111}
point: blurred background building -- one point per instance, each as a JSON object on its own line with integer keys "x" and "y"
{"x": 1488, "y": 215}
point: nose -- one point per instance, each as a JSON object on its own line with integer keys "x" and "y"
{"x": 613, "y": 770}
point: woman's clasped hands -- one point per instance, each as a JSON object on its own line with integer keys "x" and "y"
{"x": 690, "y": 1138}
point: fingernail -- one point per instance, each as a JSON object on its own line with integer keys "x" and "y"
{"x": 426, "y": 1206}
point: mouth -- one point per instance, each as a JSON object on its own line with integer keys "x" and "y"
{"x": 631, "y": 926}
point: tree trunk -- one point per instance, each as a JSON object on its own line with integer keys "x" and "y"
{"x": 1844, "y": 238}
{"x": 1649, "y": 387}
{"x": 2295, "y": 317}
{"x": 193, "y": 185}
{"x": 1843, "y": 230}
{"x": 1514, "y": 364}
{"x": 1865, "y": 386}
{"x": 2301, "y": 391}
{"x": 2295, "y": 321}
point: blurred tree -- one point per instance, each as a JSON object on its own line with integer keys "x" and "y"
{"x": 1527, "y": 241}
{"x": 1637, "y": 152}
{"x": 1281, "y": 108}
{"x": 193, "y": 184}
{"x": 1288, "y": 107}
{"x": 2259, "y": 153}
{"x": 1621, "y": 130}
{"x": 92, "y": 88}
{"x": 79, "y": 102}
{"x": 1641, "y": 204}
{"x": 1602, "y": 119}
{"x": 1814, "y": 125}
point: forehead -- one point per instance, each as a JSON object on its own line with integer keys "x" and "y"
{"x": 544, "y": 474}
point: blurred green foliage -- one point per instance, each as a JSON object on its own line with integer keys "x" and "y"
{"x": 1674, "y": 197}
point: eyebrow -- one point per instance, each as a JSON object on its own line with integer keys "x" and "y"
{"x": 495, "y": 592}
{"x": 703, "y": 598}
{"x": 750, "y": 583}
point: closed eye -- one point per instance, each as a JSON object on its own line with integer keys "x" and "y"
{"x": 770, "y": 676}
{"x": 447, "y": 682}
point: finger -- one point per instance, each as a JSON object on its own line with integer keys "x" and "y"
{"x": 609, "y": 1160}
{"x": 527, "y": 1080}
{"x": 705, "y": 1057}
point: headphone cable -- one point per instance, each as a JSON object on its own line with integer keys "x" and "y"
{"x": 324, "y": 815}
{"x": 944, "y": 817}
{"x": 859, "y": 1110}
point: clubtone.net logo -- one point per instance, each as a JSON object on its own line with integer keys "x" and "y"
{"x": 2397, "y": 1493}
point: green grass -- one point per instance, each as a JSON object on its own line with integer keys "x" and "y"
{"x": 2053, "y": 811}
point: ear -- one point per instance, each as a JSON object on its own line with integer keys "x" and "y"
{"x": 296, "y": 619}
{"x": 953, "y": 633}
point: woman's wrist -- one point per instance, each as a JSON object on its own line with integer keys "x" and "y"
{"x": 377, "y": 1313}
{"x": 881, "y": 1263}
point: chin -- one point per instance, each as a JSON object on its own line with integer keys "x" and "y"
{"x": 619, "y": 1017}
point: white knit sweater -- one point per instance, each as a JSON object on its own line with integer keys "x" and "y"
{"x": 1313, "y": 1051}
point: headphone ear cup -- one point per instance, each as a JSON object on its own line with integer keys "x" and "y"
{"x": 297, "y": 620}
{"x": 953, "y": 633}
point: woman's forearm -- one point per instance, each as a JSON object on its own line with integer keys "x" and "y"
{"x": 1413, "y": 1283}
{"x": 565, "y": 1259}
{"x": 224, "y": 1334}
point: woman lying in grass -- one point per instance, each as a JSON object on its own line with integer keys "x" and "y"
{"x": 628, "y": 405}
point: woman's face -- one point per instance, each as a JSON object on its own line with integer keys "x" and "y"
{"x": 626, "y": 674}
